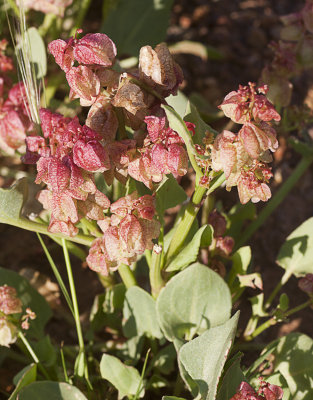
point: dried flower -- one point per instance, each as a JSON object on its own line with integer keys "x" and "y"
{"x": 9, "y": 302}
{"x": 8, "y": 332}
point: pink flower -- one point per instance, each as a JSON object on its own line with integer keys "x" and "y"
{"x": 91, "y": 156}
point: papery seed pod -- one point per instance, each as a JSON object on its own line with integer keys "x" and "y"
{"x": 63, "y": 53}
{"x": 8, "y": 332}
{"x": 9, "y": 302}
{"x": 102, "y": 119}
{"x": 84, "y": 82}
{"x": 218, "y": 223}
{"x": 95, "y": 48}
{"x": 306, "y": 283}
{"x": 91, "y": 156}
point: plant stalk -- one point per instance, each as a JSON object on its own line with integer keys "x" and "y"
{"x": 127, "y": 276}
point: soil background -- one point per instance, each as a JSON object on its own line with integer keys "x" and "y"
{"x": 240, "y": 30}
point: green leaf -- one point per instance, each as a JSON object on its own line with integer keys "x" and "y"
{"x": 50, "y": 390}
{"x": 203, "y": 302}
{"x": 190, "y": 252}
{"x": 45, "y": 351}
{"x": 125, "y": 379}
{"x": 230, "y": 381}
{"x": 178, "y": 102}
{"x": 205, "y": 356}
{"x": 294, "y": 360}
{"x": 241, "y": 260}
{"x": 296, "y": 254}
{"x": 172, "y": 398}
{"x": 169, "y": 194}
{"x": 30, "y": 298}
{"x": 130, "y": 351}
{"x": 284, "y": 302}
{"x": 192, "y": 115}
{"x": 12, "y": 201}
{"x": 136, "y": 23}
{"x": 139, "y": 314}
{"x": 38, "y": 55}
{"x": 26, "y": 376}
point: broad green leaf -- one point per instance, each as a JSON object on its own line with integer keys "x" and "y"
{"x": 230, "y": 381}
{"x": 50, "y": 390}
{"x": 192, "y": 115}
{"x": 30, "y": 298}
{"x": 114, "y": 298}
{"x": 241, "y": 260}
{"x": 24, "y": 378}
{"x": 205, "y": 356}
{"x": 139, "y": 314}
{"x": 130, "y": 351}
{"x": 12, "y": 201}
{"x": 136, "y": 23}
{"x": 178, "y": 102}
{"x": 38, "y": 55}
{"x": 193, "y": 301}
{"x": 45, "y": 351}
{"x": 294, "y": 360}
{"x": 190, "y": 252}
{"x": 124, "y": 378}
{"x": 169, "y": 194}
{"x": 296, "y": 254}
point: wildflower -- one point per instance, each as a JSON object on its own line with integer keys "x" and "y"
{"x": 267, "y": 391}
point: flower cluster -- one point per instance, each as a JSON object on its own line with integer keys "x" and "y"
{"x": 9, "y": 304}
{"x": 243, "y": 156}
{"x": 66, "y": 157}
{"x": 14, "y": 120}
{"x": 266, "y": 391}
{"x": 126, "y": 234}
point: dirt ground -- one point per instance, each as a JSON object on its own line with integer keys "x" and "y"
{"x": 241, "y": 31}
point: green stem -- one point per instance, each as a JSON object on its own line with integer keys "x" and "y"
{"x": 33, "y": 355}
{"x": 14, "y": 7}
{"x": 75, "y": 305}
{"x": 48, "y": 21}
{"x": 272, "y": 321}
{"x": 279, "y": 196}
{"x": 190, "y": 215}
{"x": 57, "y": 275}
{"x": 84, "y": 5}
{"x": 41, "y": 228}
{"x": 127, "y": 276}
{"x": 273, "y": 295}
{"x": 155, "y": 275}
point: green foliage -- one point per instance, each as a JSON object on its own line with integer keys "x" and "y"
{"x": 205, "y": 302}
{"x": 231, "y": 380}
{"x": 192, "y": 115}
{"x": 169, "y": 194}
{"x": 50, "y": 390}
{"x": 26, "y": 376}
{"x": 294, "y": 361}
{"x": 296, "y": 254}
{"x": 205, "y": 356}
{"x": 189, "y": 253}
{"x": 38, "y": 55}
{"x": 178, "y": 102}
{"x": 126, "y": 379}
{"x": 30, "y": 298}
{"x": 12, "y": 201}
{"x": 139, "y": 314}
{"x": 136, "y": 23}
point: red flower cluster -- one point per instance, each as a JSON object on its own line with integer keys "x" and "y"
{"x": 127, "y": 233}
{"x": 66, "y": 157}
{"x": 267, "y": 391}
{"x": 243, "y": 156}
{"x": 14, "y": 120}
